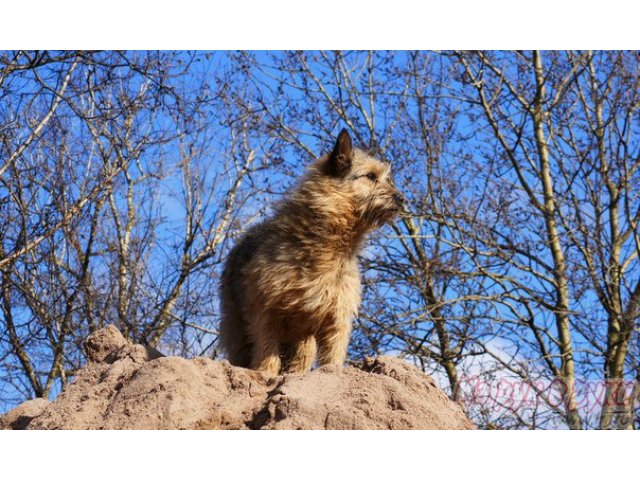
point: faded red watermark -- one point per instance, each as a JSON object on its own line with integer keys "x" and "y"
{"x": 505, "y": 394}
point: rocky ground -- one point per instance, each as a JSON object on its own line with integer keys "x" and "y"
{"x": 128, "y": 386}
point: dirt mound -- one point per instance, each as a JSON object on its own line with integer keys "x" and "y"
{"x": 128, "y": 386}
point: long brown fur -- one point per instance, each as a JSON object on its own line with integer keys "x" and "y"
{"x": 291, "y": 286}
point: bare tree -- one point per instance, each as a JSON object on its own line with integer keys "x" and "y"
{"x": 120, "y": 185}
{"x": 513, "y": 277}
{"x": 493, "y": 152}
{"x": 566, "y": 140}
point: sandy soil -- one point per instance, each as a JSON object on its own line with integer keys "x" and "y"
{"x": 126, "y": 386}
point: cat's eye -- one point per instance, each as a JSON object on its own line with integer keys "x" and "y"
{"x": 372, "y": 176}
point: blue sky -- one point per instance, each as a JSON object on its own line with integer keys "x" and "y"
{"x": 469, "y": 155}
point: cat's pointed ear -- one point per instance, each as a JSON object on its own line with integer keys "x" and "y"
{"x": 339, "y": 162}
